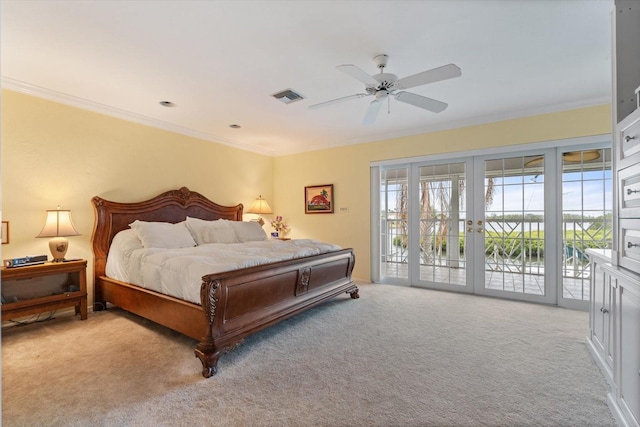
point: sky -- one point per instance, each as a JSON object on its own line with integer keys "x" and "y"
{"x": 589, "y": 192}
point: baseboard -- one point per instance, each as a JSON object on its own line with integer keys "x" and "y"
{"x": 615, "y": 410}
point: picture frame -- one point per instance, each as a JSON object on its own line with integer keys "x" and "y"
{"x": 318, "y": 199}
{"x": 5, "y": 232}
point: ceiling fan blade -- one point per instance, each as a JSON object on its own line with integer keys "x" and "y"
{"x": 358, "y": 73}
{"x": 337, "y": 100}
{"x": 421, "y": 101}
{"x": 372, "y": 111}
{"x": 430, "y": 76}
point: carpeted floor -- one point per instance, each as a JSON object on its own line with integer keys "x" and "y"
{"x": 395, "y": 357}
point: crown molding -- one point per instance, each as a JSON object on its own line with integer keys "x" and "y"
{"x": 84, "y": 104}
{"x": 493, "y": 118}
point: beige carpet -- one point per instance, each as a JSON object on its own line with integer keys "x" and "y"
{"x": 395, "y": 357}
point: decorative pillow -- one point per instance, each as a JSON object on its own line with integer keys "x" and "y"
{"x": 248, "y": 231}
{"x": 204, "y": 232}
{"x": 163, "y": 234}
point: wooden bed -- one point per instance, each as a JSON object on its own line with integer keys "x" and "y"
{"x": 233, "y": 304}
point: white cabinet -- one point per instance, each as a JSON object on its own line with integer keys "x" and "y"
{"x": 614, "y": 333}
{"x": 626, "y": 64}
{"x": 626, "y": 132}
{"x": 628, "y": 170}
{"x": 628, "y": 378}
{"x": 603, "y": 288}
{"x": 614, "y": 311}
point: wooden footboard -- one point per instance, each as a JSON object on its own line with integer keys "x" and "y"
{"x": 239, "y": 303}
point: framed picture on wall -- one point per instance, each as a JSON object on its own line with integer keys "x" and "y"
{"x": 318, "y": 199}
{"x": 5, "y": 232}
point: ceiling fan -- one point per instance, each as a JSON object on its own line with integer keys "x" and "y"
{"x": 384, "y": 84}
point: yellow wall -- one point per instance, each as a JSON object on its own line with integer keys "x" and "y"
{"x": 347, "y": 168}
{"x": 53, "y": 154}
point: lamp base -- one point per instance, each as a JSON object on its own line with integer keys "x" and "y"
{"x": 58, "y": 247}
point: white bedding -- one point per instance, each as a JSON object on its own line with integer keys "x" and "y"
{"x": 178, "y": 272}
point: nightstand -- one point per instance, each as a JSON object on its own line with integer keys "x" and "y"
{"x": 44, "y": 287}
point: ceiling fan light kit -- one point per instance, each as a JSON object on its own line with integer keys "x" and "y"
{"x": 384, "y": 84}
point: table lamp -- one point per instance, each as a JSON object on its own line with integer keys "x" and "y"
{"x": 58, "y": 226}
{"x": 260, "y": 206}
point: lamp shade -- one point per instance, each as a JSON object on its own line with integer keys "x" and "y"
{"x": 58, "y": 224}
{"x": 260, "y": 206}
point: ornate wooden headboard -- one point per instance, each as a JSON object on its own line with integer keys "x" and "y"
{"x": 172, "y": 206}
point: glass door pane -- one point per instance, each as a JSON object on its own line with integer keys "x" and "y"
{"x": 394, "y": 232}
{"x": 442, "y": 211}
{"x": 586, "y": 216}
{"x": 513, "y": 219}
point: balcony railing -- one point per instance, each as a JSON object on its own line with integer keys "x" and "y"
{"x": 510, "y": 246}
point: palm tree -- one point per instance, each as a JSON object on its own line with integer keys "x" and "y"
{"x": 434, "y": 221}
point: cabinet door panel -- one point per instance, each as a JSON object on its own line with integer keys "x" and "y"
{"x": 630, "y": 350}
{"x": 611, "y": 298}
{"x": 598, "y": 319}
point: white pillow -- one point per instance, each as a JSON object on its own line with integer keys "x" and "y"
{"x": 163, "y": 234}
{"x": 204, "y": 232}
{"x": 248, "y": 231}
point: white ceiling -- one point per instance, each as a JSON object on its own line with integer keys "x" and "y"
{"x": 219, "y": 62}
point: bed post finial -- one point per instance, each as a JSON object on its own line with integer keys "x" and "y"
{"x": 184, "y": 193}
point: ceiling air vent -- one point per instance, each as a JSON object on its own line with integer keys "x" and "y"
{"x": 287, "y": 96}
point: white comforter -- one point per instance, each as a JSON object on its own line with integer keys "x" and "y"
{"x": 178, "y": 272}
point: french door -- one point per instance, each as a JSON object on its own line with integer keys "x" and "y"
{"x": 512, "y": 226}
{"x": 422, "y": 207}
